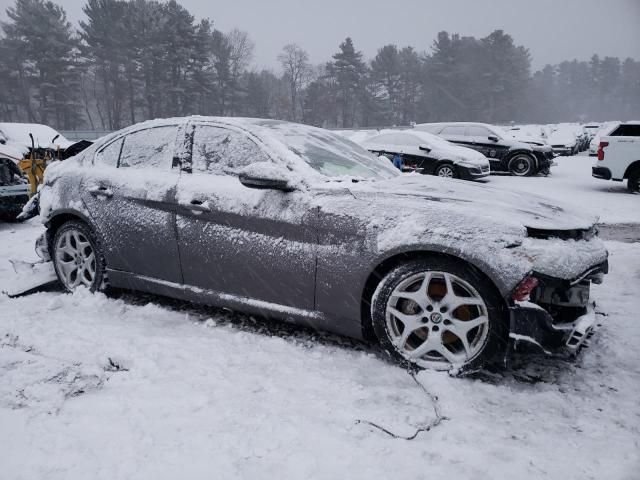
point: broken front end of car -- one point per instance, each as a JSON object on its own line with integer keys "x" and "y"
{"x": 553, "y": 310}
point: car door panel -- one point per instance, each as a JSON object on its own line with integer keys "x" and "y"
{"x": 133, "y": 208}
{"x": 343, "y": 255}
{"x": 257, "y": 244}
{"x": 492, "y": 149}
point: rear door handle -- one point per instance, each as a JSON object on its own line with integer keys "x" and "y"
{"x": 100, "y": 191}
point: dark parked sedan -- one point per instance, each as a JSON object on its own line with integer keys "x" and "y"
{"x": 505, "y": 153}
{"x": 298, "y": 223}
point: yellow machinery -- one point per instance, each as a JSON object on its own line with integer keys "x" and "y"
{"x": 34, "y": 169}
{"x": 34, "y": 166}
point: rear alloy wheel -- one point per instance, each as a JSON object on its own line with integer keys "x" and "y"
{"x": 76, "y": 257}
{"x": 521, "y": 165}
{"x": 633, "y": 182}
{"x": 438, "y": 314}
{"x": 446, "y": 171}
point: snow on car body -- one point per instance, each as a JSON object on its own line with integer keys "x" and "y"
{"x": 296, "y": 222}
{"x": 430, "y": 154}
{"x": 568, "y": 139}
{"x": 15, "y": 141}
{"x": 531, "y": 134}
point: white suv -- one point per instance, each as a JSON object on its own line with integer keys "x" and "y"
{"x": 619, "y": 155}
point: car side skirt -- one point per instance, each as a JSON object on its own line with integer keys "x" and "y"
{"x": 307, "y": 318}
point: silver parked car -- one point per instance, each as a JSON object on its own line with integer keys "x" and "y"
{"x": 298, "y": 223}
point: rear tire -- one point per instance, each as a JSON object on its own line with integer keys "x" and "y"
{"x": 522, "y": 165}
{"x": 439, "y": 313}
{"x": 633, "y": 181}
{"x": 77, "y": 257}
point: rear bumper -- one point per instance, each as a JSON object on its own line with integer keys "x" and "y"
{"x": 601, "y": 172}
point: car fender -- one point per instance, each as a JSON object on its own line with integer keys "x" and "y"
{"x": 503, "y": 272}
{"x": 62, "y": 215}
{"x": 631, "y": 167}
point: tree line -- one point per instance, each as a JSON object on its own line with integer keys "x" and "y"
{"x": 133, "y": 60}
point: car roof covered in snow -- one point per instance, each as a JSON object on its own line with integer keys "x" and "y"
{"x": 407, "y": 137}
{"x": 17, "y": 134}
{"x": 286, "y": 141}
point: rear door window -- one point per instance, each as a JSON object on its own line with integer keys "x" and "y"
{"x": 454, "y": 130}
{"x": 221, "y": 151}
{"x": 153, "y": 147}
{"x": 479, "y": 132}
{"x": 627, "y": 131}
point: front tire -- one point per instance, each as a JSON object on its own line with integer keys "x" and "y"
{"x": 439, "y": 313}
{"x": 446, "y": 170}
{"x": 522, "y": 165}
{"x": 77, "y": 257}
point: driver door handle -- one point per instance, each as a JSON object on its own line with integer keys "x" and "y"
{"x": 197, "y": 206}
{"x": 100, "y": 191}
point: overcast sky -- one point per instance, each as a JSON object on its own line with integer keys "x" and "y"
{"x": 553, "y": 30}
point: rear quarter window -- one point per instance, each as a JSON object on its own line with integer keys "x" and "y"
{"x": 152, "y": 147}
{"x": 109, "y": 155}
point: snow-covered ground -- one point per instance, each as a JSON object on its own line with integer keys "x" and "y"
{"x": 139, "y": 387}
{"x": 571, "y": 182}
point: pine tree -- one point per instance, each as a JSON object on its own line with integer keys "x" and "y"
{"x": 42, "y": 56}
{"x": 105, "y": 41}
{"x": 347, "y": 70}
{"x": 386, "y": 75}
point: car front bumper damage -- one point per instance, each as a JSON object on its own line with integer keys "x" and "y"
{"x": 560, "y": 315}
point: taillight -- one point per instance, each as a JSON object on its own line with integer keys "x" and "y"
{"x": 601, "y": 150}
{"x": 523, "y": 290}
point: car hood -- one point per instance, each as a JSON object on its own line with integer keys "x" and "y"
{"x": 475, "y": 200}
{"x": 458, "y": 154}
{"x": 562, "y": 139}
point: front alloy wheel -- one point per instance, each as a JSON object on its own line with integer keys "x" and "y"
{"x": 446, "y": 171}
{"x": 437, "y": 316}
{"x": 76, "y": 257}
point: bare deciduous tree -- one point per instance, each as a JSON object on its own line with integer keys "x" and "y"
{"x": 241, "y": 49}
{"x": 297, "y": 71}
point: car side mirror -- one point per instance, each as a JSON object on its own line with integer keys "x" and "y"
{"x": 266, "y": 176}
{"x": 493, "y": 138}
{"x": 424, "y": 148}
